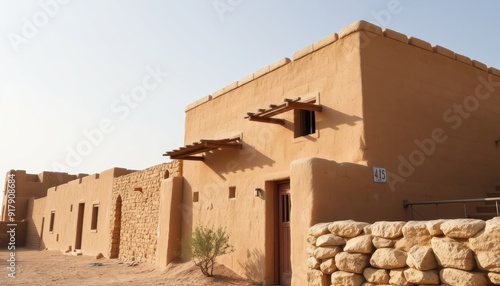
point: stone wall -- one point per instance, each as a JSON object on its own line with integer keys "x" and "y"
{"x": 134, "y": 224}
{"x": 36, "y": 207}
{"x": 439, "y": 252}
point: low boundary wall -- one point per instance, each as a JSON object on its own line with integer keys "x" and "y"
{"x": 439, "y": 252}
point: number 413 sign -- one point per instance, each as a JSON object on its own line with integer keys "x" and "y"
{"x": 379, "y": 175}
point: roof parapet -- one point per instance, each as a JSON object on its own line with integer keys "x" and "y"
{"x": 352, "y": 28}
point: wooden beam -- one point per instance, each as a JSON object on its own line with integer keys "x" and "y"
{"x": 193, "y": 158}
{"x": 267, "y": 120}
{"x": 222, "y": 145}
{"x": 304, "y": 106}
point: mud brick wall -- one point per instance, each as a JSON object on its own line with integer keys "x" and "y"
{"x": 439, "y": 252}
{"x": 134, "y": 222}
{"x": 36, "y": 207}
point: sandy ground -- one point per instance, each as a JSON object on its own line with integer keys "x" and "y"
{"x": 54, "y": 268}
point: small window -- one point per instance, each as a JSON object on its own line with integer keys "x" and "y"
{"x": 95, "y": 214}
{"x": 71, "y": 208}
{"x": 195, "y": 197}
{"x": 305, "y": 122}
{"x": 52, "y": 217}
{"x": 232, "y": 192}
{"x": 166, "y": 174}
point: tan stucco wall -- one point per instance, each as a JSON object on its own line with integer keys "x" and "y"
{"x": 414, "y": 93}
{"x": 269, "y": 149}
{"x": 169, "y": 224}
{"x": 380, "y": 91}
{"x": 36, "y": 209}
{"x": 139, "y": 211}
{"x": 65, "y": 200}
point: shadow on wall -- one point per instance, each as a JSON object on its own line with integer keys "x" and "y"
{"x": 337, "y": 118}
{"x": 254, "y": 265}
{"x": 246, "y": 158}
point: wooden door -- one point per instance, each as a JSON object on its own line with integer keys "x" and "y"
{"x": 284, "y": 216}
{"x": 79, "y": 226}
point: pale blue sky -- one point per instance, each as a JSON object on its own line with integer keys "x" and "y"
{"x": 68, "y": 74}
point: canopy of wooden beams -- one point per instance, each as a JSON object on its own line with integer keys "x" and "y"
{"x": 204, "y": 145}
{"x": 265, "y": 115}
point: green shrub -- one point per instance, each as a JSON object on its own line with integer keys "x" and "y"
{"x": 205, "y": 245}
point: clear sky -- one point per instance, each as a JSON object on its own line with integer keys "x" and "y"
{"x": 68, "y": 67}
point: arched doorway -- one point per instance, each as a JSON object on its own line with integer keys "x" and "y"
{"x": 115, "y": 239}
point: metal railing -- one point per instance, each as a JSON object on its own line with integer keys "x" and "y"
{"x": 407, "y": 204}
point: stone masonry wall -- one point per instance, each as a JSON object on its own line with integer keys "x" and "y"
{"x": 462, "y": 252}
{"x": 134, "y": 233}
{"x": 36, "y": 208}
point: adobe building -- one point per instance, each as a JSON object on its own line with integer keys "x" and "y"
{"x": 354, "y": 125}
{"x": 27, "y": 187}
{"x": 296, "y": 143}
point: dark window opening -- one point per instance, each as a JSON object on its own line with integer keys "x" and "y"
{"x": 52, "y": 217}
{"x": 195, "y": 197}
{"x": 305, "y": 122}
{"x": 95, "y": 213}
{"x": 232, "y": 192}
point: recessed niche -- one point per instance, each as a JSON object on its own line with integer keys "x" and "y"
{"x": 232, "y": 192}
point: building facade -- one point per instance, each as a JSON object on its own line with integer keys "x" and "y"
{"x": 352, "y": 126}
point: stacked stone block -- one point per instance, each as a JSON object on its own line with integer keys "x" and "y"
{"x": 138, "y": 220}
{"x": 461, "y": 252}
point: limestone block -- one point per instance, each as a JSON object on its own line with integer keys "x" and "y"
{"x": 347, "y": 228}
{"x": 452, "y": 253}
{"x": 316, "y": 278}
{"x": 494, "y": 278}
{"x": 488, "y": 260}
{"x": 341, "y": 278}
{"x": 329, "y": 240}
{"x": 311, "y": 239}
{"x": 415, "y": 228}
{"x": 388, "y": 258}
{"x": 378, "y": 276}
{"x": 313, "y": 263}
{"x": 493, "y": 225}
{"x": 374, "y": 284}
{"x": 397, "y": 277}
{"x": 421, "y": 277}
{"x": 385, "y": 229}
{"x": 415, "y": 233}
{"x": 310, "y": 249}
{"x": 458, "y": 277}
{"x": 351, "y": 262}
{"x": 360, "y": 244}
{"x": 434, "y": 227}
{"x": 326, "y": 252}
{"x": 318, "y": 229}
{"x": 421, "y": 258}
{"x": 462, "y": 228}
{"x": 380, "y": 242}
{"x": 328, "y": 266}
{"x": 485, "y": 241}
